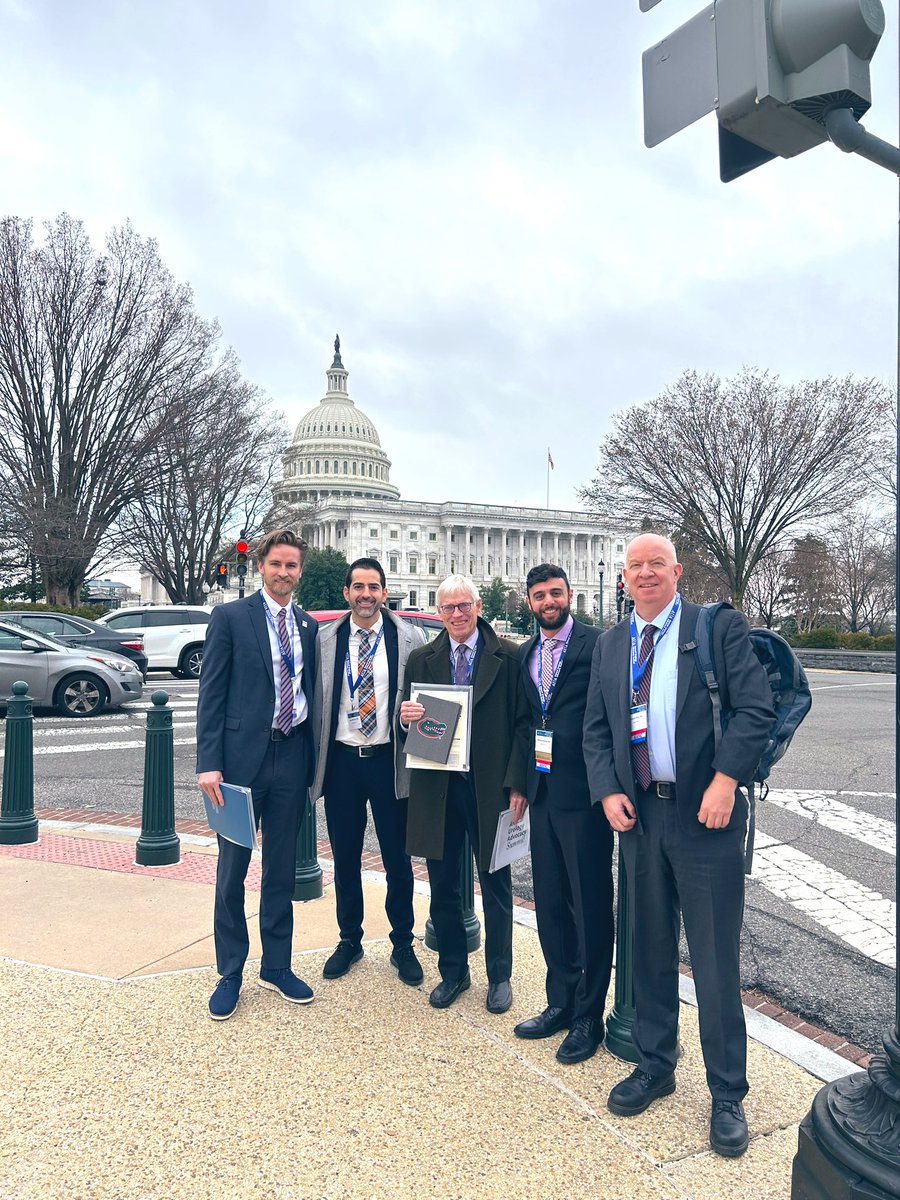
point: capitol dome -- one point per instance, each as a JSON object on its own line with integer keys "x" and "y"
{"x": 336, "y": 450}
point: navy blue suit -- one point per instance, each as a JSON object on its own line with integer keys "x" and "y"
{"x": 235, "y": 712}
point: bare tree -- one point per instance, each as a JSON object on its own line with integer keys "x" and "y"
{"x": 879, "y": 468}
{"x": 811, "y": 582}
{"x": 93, "y": 351}
{"x": 862, "y": 545}
{"x": 767, "y": 589}
{"x": 740, "y": 463}
{"x": 210, "y": 473}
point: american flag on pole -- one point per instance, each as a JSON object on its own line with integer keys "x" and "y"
{"x": 550, "y": 460}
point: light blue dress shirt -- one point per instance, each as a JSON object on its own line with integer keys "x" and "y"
{"x": 663, "y": 695}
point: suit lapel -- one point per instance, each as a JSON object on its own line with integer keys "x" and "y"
{"x": 261, "y": 629}
{"x": 573, "y": 652}
{"x": 686, "y": 665}
{"x": 530, "y": 690}
{"x": 486, "y": 667}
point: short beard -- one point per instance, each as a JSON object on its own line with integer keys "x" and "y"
{"x": 558, "y": 623}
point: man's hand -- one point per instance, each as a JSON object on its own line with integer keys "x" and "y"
{"x": 517, "y": 805}
{"x": 209, "y": 785}
{"x": 718, "y": 801}
{"x": 410, "y": 712}
{"x": 619, "y": 812}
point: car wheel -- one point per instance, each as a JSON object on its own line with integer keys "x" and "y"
{"x": 190, "y": 662}
{"x": 81, "y": 696}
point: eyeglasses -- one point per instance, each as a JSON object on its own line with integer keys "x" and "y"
{"x": 447, "y": 610}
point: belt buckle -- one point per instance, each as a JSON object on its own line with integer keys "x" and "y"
{"x": 365, "y": 751}
{"x": 664, "y": 790}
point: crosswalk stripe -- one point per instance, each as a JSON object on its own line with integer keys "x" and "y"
{"x": 824, "y": 809}
{"x": 858, "y": 916}
{"x": 91, "y": 747}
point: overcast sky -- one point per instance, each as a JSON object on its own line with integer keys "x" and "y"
{"x": 461, "y": 190}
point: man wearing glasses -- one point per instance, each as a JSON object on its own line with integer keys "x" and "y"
{"x": 444, "y": 806}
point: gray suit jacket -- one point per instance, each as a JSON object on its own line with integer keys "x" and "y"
{"x": 745, "y": 694}
{"x": 329, "y": 681}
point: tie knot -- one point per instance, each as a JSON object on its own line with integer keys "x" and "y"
{"x": 549, "y": 643}
{"x": 364, "y": 639}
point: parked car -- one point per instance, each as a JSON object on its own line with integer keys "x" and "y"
{"x": 173, "y": 634}
{"x": 430, "y": 624}
{"x": 77, "y": 682}
{"x": 78, "y": 631}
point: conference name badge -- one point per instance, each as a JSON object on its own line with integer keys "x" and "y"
{"x": 638, "y": 723}
{"x": 543, "y": 750}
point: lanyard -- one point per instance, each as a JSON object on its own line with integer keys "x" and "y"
{"x": 362, "y": 666}
{"x": 287, "y": 659}
{"x": 470, "y": 661}
{"x": 637, "y": 671}
{"x": 545, "y": 700}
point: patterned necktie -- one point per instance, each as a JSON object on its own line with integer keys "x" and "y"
{"x": 286, "y": 686}
{"x": 547, "y": 649}
{"x": 640, "y": 751}
{"x": 368, "y": 718}
{"x": 462, "y": 674}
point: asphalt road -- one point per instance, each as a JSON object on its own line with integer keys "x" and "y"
{"x": 843, "y": 753}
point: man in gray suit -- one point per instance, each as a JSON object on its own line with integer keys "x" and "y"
{"x": 651, "y": 759}
{"x": 362, "y": 660}
{"x": 256, "y": 690}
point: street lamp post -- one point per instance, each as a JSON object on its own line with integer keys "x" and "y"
{"x": 601, "y": 564}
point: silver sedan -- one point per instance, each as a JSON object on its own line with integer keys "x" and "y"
{"x": 77, "y": 682}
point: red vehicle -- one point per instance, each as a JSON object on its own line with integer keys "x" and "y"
{"x": 430, "y": 624}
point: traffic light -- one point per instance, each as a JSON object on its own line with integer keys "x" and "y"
{"x": 772, "y": 70}
{"x": 222, "y": 575}
{"x": 242, "y": 548}
{"x": 620, "y": 594}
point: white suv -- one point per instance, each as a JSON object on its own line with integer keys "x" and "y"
{"x": 173, "y": 635}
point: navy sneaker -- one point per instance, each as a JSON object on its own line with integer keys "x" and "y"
{"x": 286, "y": 983}
{"x": 223, "y": 1001}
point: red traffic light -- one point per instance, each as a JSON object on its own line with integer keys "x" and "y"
{"x": 242, "y": 547}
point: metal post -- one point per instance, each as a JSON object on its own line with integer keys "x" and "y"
{"x": 619, "y": 1040}
{"x": 158, "y": 844}
{"x": 467, "y": 890}
{"x": 307, "y": 872}
{"x": 18, "y": 824}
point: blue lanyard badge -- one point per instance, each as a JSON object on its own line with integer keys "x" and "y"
{"x": 637, "y": 670}
{"x": 545, "y": 700}
{"x": 287, "y": 659}
{"x": 363, "y": 665}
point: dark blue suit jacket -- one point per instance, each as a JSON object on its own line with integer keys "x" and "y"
{"x": 236, "y": 705}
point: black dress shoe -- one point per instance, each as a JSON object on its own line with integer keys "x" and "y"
{"x": 581, "y": 1041}
{"x": 408, "y": 966}
{"x": 344, "y": 956}
{"x": 448, "y": 990}
{"x": 636, "y": 1093}
{"x": 728, "y": 1133}
{"x": 499, "y": 996}
{"x": 550, "y": 1021}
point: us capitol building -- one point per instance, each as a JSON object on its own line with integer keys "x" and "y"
{"x": 337, "y": 466}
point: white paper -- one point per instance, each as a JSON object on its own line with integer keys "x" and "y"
{"x": 458, "y": 758}
{"x": 511, "y": 842}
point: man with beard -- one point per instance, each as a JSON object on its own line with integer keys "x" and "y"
{"x": 571, "y": 841}
{"x": 362, "y": 661}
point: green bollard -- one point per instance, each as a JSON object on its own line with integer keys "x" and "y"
{"x": 158, "y": 845}
{"x": 307, "y": 872}
{"x": 18, "y": 824}
{"x": 619, "y": 1040}
{"x": 467, "y": 888}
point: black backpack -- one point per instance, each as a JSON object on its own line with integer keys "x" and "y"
{"x": 791, "y": 700}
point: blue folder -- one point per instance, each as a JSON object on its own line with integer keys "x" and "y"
{"x": 234, "y": 819}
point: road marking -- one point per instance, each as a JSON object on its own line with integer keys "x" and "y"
{"x": 823, "y": 809}
{"x": 75, "y": 731}
{"x": 833, "y": 687}
{"x": 91, "y": 747}
{"x": 858, "y": 916}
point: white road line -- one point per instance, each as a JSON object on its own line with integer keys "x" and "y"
{"x": 858, "y": 916}
{"x": 95, "y": 728}
{"x": 823, "y": 809}
{"x": 833, "y": 687}
{"x": 90, "y": 747}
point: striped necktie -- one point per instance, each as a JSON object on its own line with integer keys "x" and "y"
{"x": 368, "y": 718}
{"x": 286, "y": 686}
{"x": 640, "y": 751}
{"x": 547, "y": 647}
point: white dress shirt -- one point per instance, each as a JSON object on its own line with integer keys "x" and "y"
{"x": 301, "y": 708}
{"x": 381, "y": 675}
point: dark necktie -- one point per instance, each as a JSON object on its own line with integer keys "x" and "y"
{"x": 640, "y": 751}
{"x": 286, "y": 686}
{"x": 462, "y": 674}
{"x": 368, "y": 718}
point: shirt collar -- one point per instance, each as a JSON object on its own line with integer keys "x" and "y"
{"x": 658, "y": 621}
{"x": 471, "y": 642}
{"x": 274, "y": 607}
{"x": 357, "y": 630}
{"x": 560, "y": 634}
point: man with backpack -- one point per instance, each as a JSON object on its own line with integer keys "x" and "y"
{"x": 668, "y": 786}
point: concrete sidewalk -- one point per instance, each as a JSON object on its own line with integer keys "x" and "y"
{"x": 119, "y": 1087}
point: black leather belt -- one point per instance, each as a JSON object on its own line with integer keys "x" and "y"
{"x": 278, "y": 736}
{"x": 364, "y": 751}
